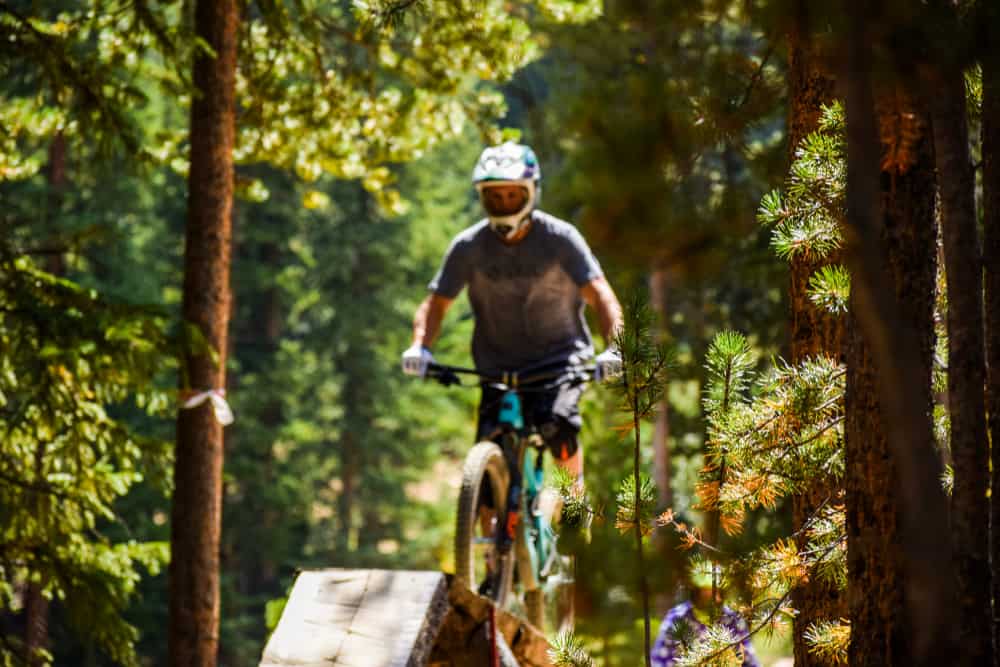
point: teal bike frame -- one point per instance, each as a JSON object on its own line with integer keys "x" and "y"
{"x": 527, "y": 481}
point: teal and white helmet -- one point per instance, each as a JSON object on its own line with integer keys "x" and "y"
{"x": 508, "y": 164}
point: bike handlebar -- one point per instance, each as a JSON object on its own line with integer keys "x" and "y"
{"x": 449, "y": 375}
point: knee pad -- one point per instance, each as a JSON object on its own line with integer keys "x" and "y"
{"x": 560, "y": 437}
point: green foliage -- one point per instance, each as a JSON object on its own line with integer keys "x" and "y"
{"x": 67, "y": 358}
{"x": 826, "y": 545}
{"x": 788, "y": 433}
{"x": 78, "y": 69}
{"x": 771, "y": 434}
{"x": 729, "y": 363}
{"x": 829, "y": 641}
{"x": 948, "y": 480}
{"x": 273, "y": 611}
{"x": 830, "y": 288}
{"x": 568, "y": 651}
{"x": 939, "y": 368}
{"x": 576, "y": 510}
{"x": 645, "y": 360}
{"x": 626, "y": 518}
{"x": 806, "y": 220}
{"x": 719, "y": 647}
{"x": 679, "y": 102}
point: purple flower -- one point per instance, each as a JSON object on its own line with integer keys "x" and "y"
{"x": 680, "y": 627}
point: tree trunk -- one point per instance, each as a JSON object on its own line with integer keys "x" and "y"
{"x": 350, "y": 471}
{"x": 970, "y": 507}
{"x": 56, "y": 175}
{"x": 813, "y": 331}
{"x": 36, "y": 625}
{"x": 991, "y": 262}
{"x": 658, "y": 288}
{"x": 197, "y": 500}
{"x": 810, "y": 84}
{"x": 900, "y": 604}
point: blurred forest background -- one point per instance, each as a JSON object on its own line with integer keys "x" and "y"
{"x": 661, "y": 128}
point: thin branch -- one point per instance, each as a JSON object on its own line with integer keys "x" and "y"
{"x": 756, "y": 78}
{"x": 767, "y": 620}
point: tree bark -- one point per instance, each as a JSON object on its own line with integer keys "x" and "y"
{"x": 55, "y": 173}
{"x": 658, "y": 289}
{"x": 813, "y": 331}
{"x": 991, "y": 263}
{"x": 874, "y": 512}
{"x": 197, "y": 501}
{"x": 970, "y": 507}
{"x": 810, "y": 83}
{"x": 350, "y": 471}
{"x": 900, "y": 604}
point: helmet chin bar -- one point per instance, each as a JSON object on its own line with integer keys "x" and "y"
{"x": 508, "y": 226}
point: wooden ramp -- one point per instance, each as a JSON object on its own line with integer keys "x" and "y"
{"x": 380, "y": 618}
{"x": 359, "y": 618}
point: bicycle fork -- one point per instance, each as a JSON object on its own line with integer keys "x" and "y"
{"x": 508, "y": 527}
{"x": 511, "y": 420}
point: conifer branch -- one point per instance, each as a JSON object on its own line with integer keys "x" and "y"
{"x": 766, "y": 621}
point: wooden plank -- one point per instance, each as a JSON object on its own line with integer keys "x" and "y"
{"x": 359, "y": 618}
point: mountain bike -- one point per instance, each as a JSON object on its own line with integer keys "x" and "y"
{"x": 505, "y": 545}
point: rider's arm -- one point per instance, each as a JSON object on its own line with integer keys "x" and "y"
{"x": 599, "y": 296}
{"x": 427, "y": 320}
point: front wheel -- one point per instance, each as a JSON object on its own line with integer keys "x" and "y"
{"x": 482, "y": 501}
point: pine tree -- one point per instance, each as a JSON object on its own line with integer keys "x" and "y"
{"x": 778, "y": 433}
{"x": 814, "y": 330}
{"x": 70, "y": 360}
{"x": 642, "y": 383}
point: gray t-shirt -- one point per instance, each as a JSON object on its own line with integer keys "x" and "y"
{"x": 525, "y": 296}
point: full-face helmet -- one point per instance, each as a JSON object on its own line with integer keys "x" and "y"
{"x": 508, "y": 180}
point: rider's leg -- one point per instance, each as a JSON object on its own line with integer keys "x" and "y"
{"x": 574, "y": 466}
{"x": 561, "y": 433}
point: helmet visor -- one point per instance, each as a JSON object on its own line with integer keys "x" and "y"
{"x": 501, "y": 200}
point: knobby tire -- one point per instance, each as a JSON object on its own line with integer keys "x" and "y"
{"x": 486, "y": 458}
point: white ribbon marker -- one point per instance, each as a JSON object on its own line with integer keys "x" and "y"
{"x": 223, "y": 413}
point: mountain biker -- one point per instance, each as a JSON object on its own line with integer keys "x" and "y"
{"x": 528, "y": 275}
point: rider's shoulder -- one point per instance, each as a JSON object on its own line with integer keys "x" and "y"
{"x": 472, "y": 233}
{"x": 555, "y": 226}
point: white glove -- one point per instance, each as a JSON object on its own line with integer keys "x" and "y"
{"x": 609, "y": 364}
{"x": 416, "y": 359}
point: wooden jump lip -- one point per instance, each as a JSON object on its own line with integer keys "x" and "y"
{"x": 340, "y": 617}
{"x": 372, "y": 618}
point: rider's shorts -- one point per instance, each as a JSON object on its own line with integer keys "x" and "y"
{"x": 556, "y": 414}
